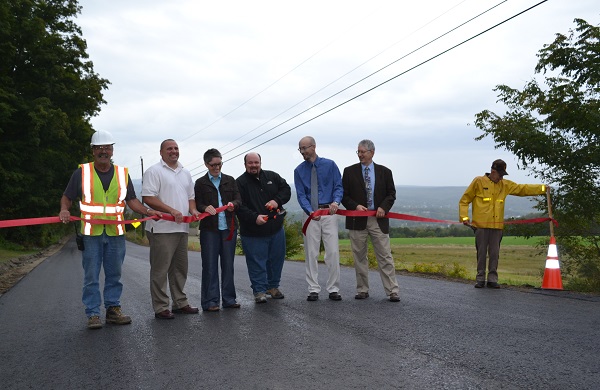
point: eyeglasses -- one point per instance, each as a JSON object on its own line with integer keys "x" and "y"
{"x": 362, "y": 151}
{"x": 215, "y": 165}
{"x": 102, "y": 147}
{"x": 304, "y": 148}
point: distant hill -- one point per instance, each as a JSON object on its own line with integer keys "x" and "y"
{"x": 429, "y": 202}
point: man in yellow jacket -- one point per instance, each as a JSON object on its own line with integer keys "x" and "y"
{"x": 487, "y": 194}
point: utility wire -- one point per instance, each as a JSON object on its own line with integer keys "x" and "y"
{"x": 340, "y": 77}
{"x": 368, "y": 76}
{"x": 266, "y": 88}
{"x": 355, "y": 83}
{"x": 308, "y": 97}
{"x": 390, "y": 79}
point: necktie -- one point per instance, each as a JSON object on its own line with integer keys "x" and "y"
{"x": 369, "y": 189}
{"x": 314, "y": 189}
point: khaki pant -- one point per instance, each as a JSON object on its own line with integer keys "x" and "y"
{"x": 383, "y": 253}
{"x": 168, "y": 262}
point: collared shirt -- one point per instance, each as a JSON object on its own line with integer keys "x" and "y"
{"x": 217, "y": 182}
{"x": 329, "y": 183}
{"x": 174, "y": 187}
{"x": 371, "y": 176}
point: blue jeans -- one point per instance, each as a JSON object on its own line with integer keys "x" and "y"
{"x": 108, "y": 252}
{"x": 214, "y": 245}
{"x": 264, "y": 257}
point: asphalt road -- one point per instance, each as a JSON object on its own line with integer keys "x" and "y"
{"x": 442, "y": 335}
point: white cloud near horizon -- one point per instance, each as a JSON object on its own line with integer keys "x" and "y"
{"x": 216, "y": 74}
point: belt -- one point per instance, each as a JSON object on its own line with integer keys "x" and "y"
{"x": 324, "y": 206}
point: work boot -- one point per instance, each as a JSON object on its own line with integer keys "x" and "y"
{"x": 115, "y": 316}
{"x": 275, "y": 293}
{"x": 94, "y": 322}
{"x": 260, "y": 298}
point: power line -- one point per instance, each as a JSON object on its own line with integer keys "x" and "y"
{"x": 357, "y": 82}
{"x": 303, "y": 100}
{"x": 370, "y": 75}
{"x": 390, "y": 79}
{"x": 269, "y": 86}
{"x": 339, "y": 78}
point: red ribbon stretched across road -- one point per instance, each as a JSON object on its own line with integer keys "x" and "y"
{"x": 408, "y": 217}
{"x": 47, "y": 220}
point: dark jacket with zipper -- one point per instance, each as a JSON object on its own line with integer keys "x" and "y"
{"x": 256, "y": 192}
{"x": 206, "y": 195}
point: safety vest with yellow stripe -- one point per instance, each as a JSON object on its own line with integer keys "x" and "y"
{"x": 99, "y": 204}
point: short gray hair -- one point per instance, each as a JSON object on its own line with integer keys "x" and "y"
{"x": 367, "y": 144}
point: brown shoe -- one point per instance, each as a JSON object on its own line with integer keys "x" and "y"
{"x": 394, "y": 297}
{"x": 187, "y": 310}
{"x": 233, "y": 306}
{"x": 94, "y": 322}
{"x": 213, "y": 308}
{"x": 362, "y": 295}
{"x": 165, "y": 315}
{"x": 275, "y": 293}
{"x": 114, "y": 315}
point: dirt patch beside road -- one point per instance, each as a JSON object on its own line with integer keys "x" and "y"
{"x": 15, "y": 269}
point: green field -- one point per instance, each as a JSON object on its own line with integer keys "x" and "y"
{"x": 521, "y": 263}
{"x": 460, "y": 241}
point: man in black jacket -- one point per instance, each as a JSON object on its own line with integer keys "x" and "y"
{"x": 261, "y": 216}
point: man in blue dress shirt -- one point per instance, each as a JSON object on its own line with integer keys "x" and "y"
{"x": 318, "y": 185}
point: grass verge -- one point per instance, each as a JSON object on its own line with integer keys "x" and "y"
{"x": 521, "y": 263}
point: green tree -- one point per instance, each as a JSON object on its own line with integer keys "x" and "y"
{"x": 48, "y": 93}
{"x": 554, "y": 130}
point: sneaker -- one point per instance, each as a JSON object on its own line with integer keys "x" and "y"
{"x": 260, "y": 298}
{"x": 94, "y": 322}
{"x": 275, "y": 293}
{"x": 480, "y": 285}
{"x": 493, "y": 285}
{"x": 115, "y": 316}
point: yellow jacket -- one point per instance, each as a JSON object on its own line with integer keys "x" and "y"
{"x": 488, "y": 200}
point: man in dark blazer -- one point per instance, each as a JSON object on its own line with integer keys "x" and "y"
{"x": 369, "y": 186}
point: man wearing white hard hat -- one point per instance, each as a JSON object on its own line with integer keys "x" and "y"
{"x": 104, "y": 189}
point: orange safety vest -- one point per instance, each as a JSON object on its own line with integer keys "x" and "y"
{"x": 99, "y": 204}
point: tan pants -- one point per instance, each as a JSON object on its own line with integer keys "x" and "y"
{"x": 383, "y": 253}
{"x": 168, "y": 261}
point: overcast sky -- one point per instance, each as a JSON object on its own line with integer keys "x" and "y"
{"x": 218, "y": 74}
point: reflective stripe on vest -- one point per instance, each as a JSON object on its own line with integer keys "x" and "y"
{"x": 99, "y": 204}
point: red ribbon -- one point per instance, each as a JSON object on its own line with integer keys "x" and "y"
{"x": 47, "y": 220}
{"x": 408, "y": 217}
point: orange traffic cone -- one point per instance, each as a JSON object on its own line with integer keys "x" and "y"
{"x": 552, "y": 278}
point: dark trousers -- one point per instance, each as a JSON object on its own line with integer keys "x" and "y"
{"x": 487, "y": 243}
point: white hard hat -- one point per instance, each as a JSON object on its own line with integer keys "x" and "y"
{"x": 102, "y": 137}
